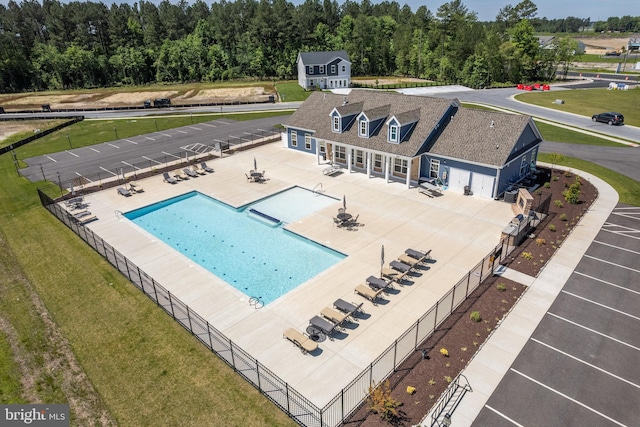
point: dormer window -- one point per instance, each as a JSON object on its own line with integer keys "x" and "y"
{"x": 363, "y": 129}
{"x": 336, "y": 124}
{"x": 322, "y": 69}
{"x": 393, "y": 133}
{"x": 311, "y": 70}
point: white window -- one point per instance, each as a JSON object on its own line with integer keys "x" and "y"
{"x": 323, "y": 147}
{"x": 400, "y": 165}
{"x": 523, "y": 166}
{"x": 362, "y": 129}
{"x": 434, "y": 168}
{"x": 377, "y": 161}
{"x": 393, "y": 133}
{"x": 341, "y": 153}
{"x": 359, "y": 157}
{"x": 307, "y": 141}
{"x": 333, "y": 69}
{"x": 336, "y": 124}
{"x": 322, "y": 69}
{"x": 533, "y": 156}
{"x": 294, "y": 138}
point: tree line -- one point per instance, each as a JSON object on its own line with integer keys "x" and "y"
{"x": 54, "y": 45}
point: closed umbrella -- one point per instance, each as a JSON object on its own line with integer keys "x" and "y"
{"x": 344, "y": 202}
{"x": 255, "y": 165}
{"x": 381, "y": 260}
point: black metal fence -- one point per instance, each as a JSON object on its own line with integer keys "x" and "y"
{"x": 278, "y": 391}
{"x": 39, "y": 135}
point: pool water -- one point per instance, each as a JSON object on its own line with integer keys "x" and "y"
{"x": 258, "y": 258}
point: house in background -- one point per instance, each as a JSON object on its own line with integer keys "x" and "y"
{"x": 413, "y": 139}
{"x": 324, "y": 70}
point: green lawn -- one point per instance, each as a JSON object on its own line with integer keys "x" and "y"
{"x": 291, "y": 92}
{"x": 146, "y": 369}
{"x": 588, "y": 102}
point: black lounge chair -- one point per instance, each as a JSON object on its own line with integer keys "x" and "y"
{"x": 190, "y": 173}
{"x": 420, "y": 256}
{"x": 124, "y": 192}
{"x": 400, "y": 266}
{"x": 347, "y": 307}
{"x": 169, "y": 179}
{"x": 323, "y": 325}
{"x": 377, "y": 283}
{"x": 206, "y": 168}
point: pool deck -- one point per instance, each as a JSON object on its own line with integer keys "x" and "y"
{"x": 460, "y": 230}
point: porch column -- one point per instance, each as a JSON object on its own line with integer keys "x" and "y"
{"x": 317, "y": 152}
{"x": 368, "y": 164}
{"x": 349, "y": 156}
{"x": 408, "y": 174}
{"x": 386, "y": 168}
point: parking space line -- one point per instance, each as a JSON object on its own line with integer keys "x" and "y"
{"x": 601, "y": 305}
{"x": 172, "y": 155}
{"x": 91, "y": 148}
{"x": 593, "y": 331}
{"x": 623, "y": 233}
{"x": 83, "y": 177}
{"x": 567, "y": 397}
{"x": 181, "y": 131}
{"x": 503, "y": 416}
{"x": 114, "y": 146}
{"x": 73, "y": 154}
{"x": 617, "y": 247}
{"x": 106, "y": 170}
{"x": 631, "y": 215}
{"x": 612, "y": 263}
{"x": 133, "y": 142}
{"x": 207, "y": 124}
{"x": 150, "y": 138}
{"x": 165, "y": 134}
{"x": 129, "y": 164}
{"x": 52, "y": 159}
{"x": 193, "y": 127}
{"x": 604, "y": 371}
{"x": 607, "y": 283}
{"x": 151, "y": 160}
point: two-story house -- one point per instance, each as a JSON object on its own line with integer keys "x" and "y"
{"x": 413, "y": 139}
{"x": 324, "y": 70}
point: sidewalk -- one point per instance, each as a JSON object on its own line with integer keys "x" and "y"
{"x": 492, "y": 361}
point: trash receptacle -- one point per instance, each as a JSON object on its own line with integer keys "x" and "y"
{"x": 467, "y": 190}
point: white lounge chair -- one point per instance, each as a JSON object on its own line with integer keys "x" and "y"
{"x": 303, "y": 342}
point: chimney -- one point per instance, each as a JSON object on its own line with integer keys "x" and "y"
{"x": 492, "y": 123}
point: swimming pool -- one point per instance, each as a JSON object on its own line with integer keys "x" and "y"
{"x": 258, "y": 258}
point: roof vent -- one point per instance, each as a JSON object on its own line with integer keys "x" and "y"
{"x": 492, "y": 123}
{"x": 344, "y": 101}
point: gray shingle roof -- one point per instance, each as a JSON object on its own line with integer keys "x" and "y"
{"x": 313, "y": 114}
{"x": 470, "y": 136}
{"x": 408, "y": 117}
{"x": 321, "y": 58}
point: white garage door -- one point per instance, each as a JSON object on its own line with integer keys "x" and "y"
{"x": 458, "y": 178}
{"x": 482, "y": 185}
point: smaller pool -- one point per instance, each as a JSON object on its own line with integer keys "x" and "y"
{"x": 256, "y": 257}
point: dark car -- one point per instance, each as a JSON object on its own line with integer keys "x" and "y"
{"x": 147, "y": 103}
{"x": 609, "y": 118}
{"x": 1, "y": 110}
{"x": 612, "y": 53}
{"x": 46, "y": 108}
{"x": 162, "y": 102}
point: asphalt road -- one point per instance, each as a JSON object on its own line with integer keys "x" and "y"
{"x": 128, "y": 155}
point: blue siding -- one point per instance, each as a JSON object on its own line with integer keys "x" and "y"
{"x": 404, "y": 130}
{"x": 375, "y": 125}
{"x": 301, "y": 142}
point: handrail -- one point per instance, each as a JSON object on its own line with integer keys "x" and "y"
{"x": 118, "y": 213}
{"x": 256, "y": 302}
{"x": 321, "y": 190}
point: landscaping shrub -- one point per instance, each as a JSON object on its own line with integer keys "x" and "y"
{"x": 381, "y": 402}
{"x": 558, "y": 203}
{"x": 475, "y": 316}
{"x": 501, "y": 287}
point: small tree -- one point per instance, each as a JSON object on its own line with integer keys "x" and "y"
{"x": 572, "y": 194}
{"x": 381, "y": 402}
{"x": 555, "y": 159}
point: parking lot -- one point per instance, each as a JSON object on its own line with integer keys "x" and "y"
{"x": 579, "y": 367}
{"x": 158, "y": 149}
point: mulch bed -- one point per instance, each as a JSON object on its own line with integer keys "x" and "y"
{"x": 461, "y": 336}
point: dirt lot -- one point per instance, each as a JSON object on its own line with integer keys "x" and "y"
{"x": 599, "y": 46}
{"x": 388, "y": 81}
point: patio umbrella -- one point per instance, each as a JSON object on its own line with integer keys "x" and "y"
{"x": 344, "y": 202}
{"x": 255, "y": 165}
{"x": 381, "y": 260}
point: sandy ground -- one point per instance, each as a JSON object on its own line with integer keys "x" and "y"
{"x": 388, "y": 81}
{"x": 9, "y": 128}
{"x": 601, "y": 45}
{"x": 133, "y": 98}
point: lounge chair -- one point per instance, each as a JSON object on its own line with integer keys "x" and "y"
{"x": 400, "y": 266}
{"x": 333, "y": 315}
{"x": 197, "y": 169}
{"x": 420, "y": 256}
{"x": 368, "y": 293}
{"x": 190, "y": 173}
{"x": 180, "y": 175}
{"x": 391, "y": 274}
{"x": 303, "y": 342}
{"x": 377, "y": 283}
{"x": 347, "y": 307}
{"x": 406, "y": 259}
{"x": 249, "y": 178}
{"x": 74, "y": 201}
{"x": 169, "y": 179}
{"x": 81, "y": 214}
{"x": 87, "y": 219}
{"x": 135, "y": 187}
{"x": 124, "y": 192}
{"x": 323, "y": 325}
{"x": 206, "y": 168}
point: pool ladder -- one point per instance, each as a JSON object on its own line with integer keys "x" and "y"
{"x": 118, "y": 213}
{"x": 320, "y": 190}
{"x": 256, "y": 302}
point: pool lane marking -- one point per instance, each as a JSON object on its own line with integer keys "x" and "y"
{"x": 577, "y": 359}
{"x": 593, "y": 331}
{"x": 612, "y": 263}
{"x": 607, "y": 283}
{"x": 80, "y": 175}
{"x": 169, "y": 154}
{"x": 91, "y": 148}
{"x": 114, "y": 146}
{"x": 133, "y": 142}
{"x": 503, "y": 416}
{"x": 51, "y": 158}
{"x": 150, "y": 138}
{"x": 128, "y": 164}
{"x": 73, "y": 154}
{"x": 193, "y": 127}
{"x": 151, "y": 160}
{"x": 567, "y": 397}
{"x": 616, "y": 247}
{"x": 207, "y": 124}
{"x": 106, "y": 170}
{"x": 181, "y": 131}
{"x": 601, "y": 305}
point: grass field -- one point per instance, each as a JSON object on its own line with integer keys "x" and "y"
{"x": 291, "y": 92}
{"x": 588, "y": 102}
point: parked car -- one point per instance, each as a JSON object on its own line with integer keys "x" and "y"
{"x": 46, "y": 108}
{"x": 147, "y": 103}
{"x": 612, "y": 53}
{"x": 162, "y": 102}
{"x": 609, "y": 118}
{"x": 1, "y": 110}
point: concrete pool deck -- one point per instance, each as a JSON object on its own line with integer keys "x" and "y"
{"x": 460, "y": 231}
